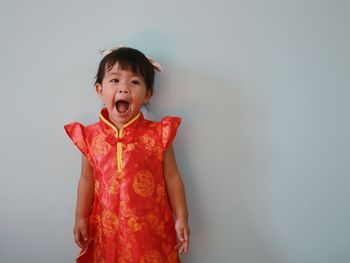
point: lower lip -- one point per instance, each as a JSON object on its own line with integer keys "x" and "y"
{"x": 122, "y": 113}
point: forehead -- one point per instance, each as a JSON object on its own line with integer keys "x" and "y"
{"x": 118, "y": 69}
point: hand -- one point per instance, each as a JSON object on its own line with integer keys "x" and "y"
{"x": 80, "y": 232}
{"x": 183, "y": 234}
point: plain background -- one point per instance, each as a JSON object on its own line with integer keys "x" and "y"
{"x": 263, "y": 89}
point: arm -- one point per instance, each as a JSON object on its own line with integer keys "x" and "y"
{"x": 177, "y": 197}
{"x": 84, "y": 201}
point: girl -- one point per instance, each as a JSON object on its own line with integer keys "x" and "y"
{"x": 130, "y": 188}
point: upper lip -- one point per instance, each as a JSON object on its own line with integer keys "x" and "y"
{"x": 122, "y": 99}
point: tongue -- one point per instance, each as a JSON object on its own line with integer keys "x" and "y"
{"x": 122, "y": 106}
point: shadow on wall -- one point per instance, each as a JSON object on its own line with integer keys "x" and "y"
{"x": 219, "y": 161}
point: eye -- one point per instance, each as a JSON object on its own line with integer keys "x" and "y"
{"x": 135, "y": 82}
{"x": 115, "y": 80}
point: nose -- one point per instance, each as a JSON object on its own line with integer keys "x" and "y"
{"x": 123, "y": 88}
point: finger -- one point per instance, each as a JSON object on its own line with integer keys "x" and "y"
{"x": 84, "y": 232}
{"x": 187, "y": 239}
{"x": 185, "y": 246}
{"x": 77, "y": 239}
{"x": 178, "y": 245}
{"x": 181, "y": 249}
{"x": 180, "y": 234}
{"x": 186, "y": 234}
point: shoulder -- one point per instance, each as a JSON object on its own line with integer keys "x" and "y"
{"x": 166, "y": 128}
{"x": 165, "y": 120}
{"x": 170, "y": 123}
{"x": 93, "y": 127}
{"x": 77, "y": 129}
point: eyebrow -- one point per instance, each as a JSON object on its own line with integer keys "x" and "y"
{"x": 113, "y": 73}
{"x": 118, "y": 74}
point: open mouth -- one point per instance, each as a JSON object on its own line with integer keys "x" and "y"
{"x": 122, "y": 106}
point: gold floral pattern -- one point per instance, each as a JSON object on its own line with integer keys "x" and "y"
{"x": 99, "y": 146}
{"x": 110, "y": 223}
{"x": 143, "y": 183}
{"x": 134, "y": 224}
{"x": 148, "y": 141}
{"x": 113, "y": 184}
{"x": 158, "y": 151}
{"x": 125, "y": 253}
{"x": 130, "y": 147}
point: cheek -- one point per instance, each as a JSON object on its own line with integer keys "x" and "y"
{"x": 108, "y": 97}
{"x": 109, "y": 91}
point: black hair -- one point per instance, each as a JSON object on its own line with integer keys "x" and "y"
{"x": 127, "y": 58}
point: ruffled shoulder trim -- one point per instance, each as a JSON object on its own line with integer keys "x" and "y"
{"x": 170, "y": 126}
{"x": 77, "y": 133}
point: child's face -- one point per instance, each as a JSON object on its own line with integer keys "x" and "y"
{"x": 123, "y": 92}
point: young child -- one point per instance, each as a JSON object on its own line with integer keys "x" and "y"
{"x": 130, "y": 188}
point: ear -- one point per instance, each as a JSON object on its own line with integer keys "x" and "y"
{"x": 99, "y": 90}
{"x": 148, "y": 96}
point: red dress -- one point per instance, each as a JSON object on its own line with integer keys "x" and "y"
{"x": 131, "y": 218}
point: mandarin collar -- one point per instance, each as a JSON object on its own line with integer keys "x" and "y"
{"x": 110, "y": 128}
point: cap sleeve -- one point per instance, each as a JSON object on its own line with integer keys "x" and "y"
{"x": 76, "y": 132}
{"x": 169, "y": 130}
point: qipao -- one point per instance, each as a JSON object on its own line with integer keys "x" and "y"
{"x": 131, "y": 218}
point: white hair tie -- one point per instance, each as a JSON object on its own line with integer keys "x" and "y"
{"x": 156, "y": 65}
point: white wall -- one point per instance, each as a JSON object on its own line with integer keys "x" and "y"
{"x": 263, "y": 89}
